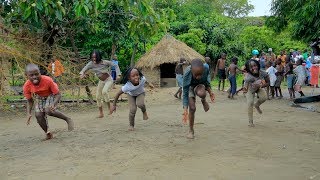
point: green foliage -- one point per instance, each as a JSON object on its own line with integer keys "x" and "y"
{"x": 303, "y": 14}
{"x": 194, "y": 39}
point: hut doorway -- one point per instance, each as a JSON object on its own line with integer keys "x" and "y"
{"x": 167, "y": 75}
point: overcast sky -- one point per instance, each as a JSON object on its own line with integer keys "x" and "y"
{"x": 261, "y": 7}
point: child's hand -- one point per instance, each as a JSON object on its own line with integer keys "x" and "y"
{"x": 29, "y": 119}
{"x": 112, "y": 109}
{"x": 212, "y": 97}
{"x": 185, "y": 116}
{"x": 53, "y": 108}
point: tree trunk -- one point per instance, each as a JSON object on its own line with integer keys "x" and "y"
{"x": 133, "y": 54}
{"x": 113, "y": 50}
{"x": 73, "y": 44}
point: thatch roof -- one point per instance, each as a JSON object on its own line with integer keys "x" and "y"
{"x": 168, "y": 50}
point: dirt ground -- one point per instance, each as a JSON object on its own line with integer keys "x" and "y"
{"x": 285, "y": 143}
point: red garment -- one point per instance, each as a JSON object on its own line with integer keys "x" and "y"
{"x": 314, "y": 71}
{"x": 45, "y": 88}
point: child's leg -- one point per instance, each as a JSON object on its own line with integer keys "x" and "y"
{"x": 268, "y": 92}
{"x": 42, "y": 121}
{"x": 280, "y": 92}
{"x": 105, "y": 91}
{"x": 276, "y": 91}
{"x": 250, "y": 100}
{"x": 178, "y": 92}
{"x": 219, "y": 84}
{"x": 100, "y": 98}
{"x": 262, "y": 98}
{"x": 192, "y": 110}
{"x": 272, "y": 91}
{"x": 233, "y": 86}
{"x": 142, "y": 106}
{"x": 200, "y": 90}
{"x": 133, "y": 110}
{"x": 57, "y": 113}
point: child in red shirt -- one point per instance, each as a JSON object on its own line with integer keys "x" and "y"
{"x": 42, "y": 92}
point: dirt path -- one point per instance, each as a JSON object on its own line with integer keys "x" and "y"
{"x": 285, "y": 144}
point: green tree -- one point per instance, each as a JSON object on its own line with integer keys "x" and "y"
{"x": 303, "y": 14}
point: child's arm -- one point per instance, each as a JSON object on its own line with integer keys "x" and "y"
{"x": 86, "y": 68}
{"x": 29, "y": 109}
{"x": 212, "y": 96}
{"x": 114, "y": 105}
{"x": 57, "y": 98}
{"x": 216, "y": 70}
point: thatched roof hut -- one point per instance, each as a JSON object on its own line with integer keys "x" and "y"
{"x": 159, "y": 63}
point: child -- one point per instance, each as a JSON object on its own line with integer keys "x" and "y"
{"x": 290, "y": 77}
{"x": 314, "y": 70}
{"x": 179, "y": 77}
{"x": 221, "y": 70}
{"x": 279, "y": 74}
{"x": 45, "y": 93}
{"x": 255, "y": 81}
{"x": 232, "y": 71}
{"x": 113, "y": 70}
{"x": 134, "y": 87}
{"x": 272, "y": 77}
{"x": 102, "y": 69}
{"x": 301, "y": 75}
{"x": 196, "y": 81}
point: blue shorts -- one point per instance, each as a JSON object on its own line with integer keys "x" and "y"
{"x": 179, "y": 78}
{"x": 114, "y": 75}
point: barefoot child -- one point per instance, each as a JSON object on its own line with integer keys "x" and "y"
{"x": 290, "y": 78}
{"x": 255, "y": 81}
{"x": 42, "y": 92}
{"x": 301, "y": 76}
{"x": 134, "y": 87}
{"x": 102, "y": 69}
{"x": 179, "y": 77}
{"x": 196, "y": 81}
{"x": 232, "y": 71}
{"x": 279, "y": 74}
{"x": 221, "y": 70}
{"x": 272, "y": 77}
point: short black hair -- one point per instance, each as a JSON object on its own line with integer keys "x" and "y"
{"x": 196, "y": 63}
{"x": 126, "y": 76}
{"x": 234, "y": 60}
{"x": 98, "y": 55}
{"x": 248, "y": 66}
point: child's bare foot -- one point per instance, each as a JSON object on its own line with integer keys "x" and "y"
{"x": 70, "y": 125}
{"x": 49, "y": 135}
{"x": 251, "y": 124}
{"x": 145, "y": 116}
{"x": 258, "y": 109}
{"x": 131, "y": 128}
{"x": 205, "y": 104}
{"x": 176, "y": 96}
{"x": 100, "y": 116}
{"x": 229, "y": 96}
{"x": 190, "y": 135}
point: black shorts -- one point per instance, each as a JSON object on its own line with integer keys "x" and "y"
{"x": 222, "y": 74}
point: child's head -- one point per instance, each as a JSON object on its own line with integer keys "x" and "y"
{"x": 278, "y": 61}
{"x": 288, "y": 60}
{"x": 197, "y": 68}
{"x": 133, "y": 75}
{"x": 207, "y": 59}
{"x": 32, "y": 72}
{"x": 268, "y": 64}
{"x": 234, "y": 60}
{"x": 95, "y": 56}
{"x": 299, "y": 62}
{"x": 182, "y": 60}
{"x": 253, "y": 67}
{"x": 223, "y": 55}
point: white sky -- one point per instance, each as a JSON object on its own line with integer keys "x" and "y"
{"x": 261, "y": 7}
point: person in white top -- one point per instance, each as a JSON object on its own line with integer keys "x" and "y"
{"x": 134, "y": 88}
{"x": 272, "y": 76}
